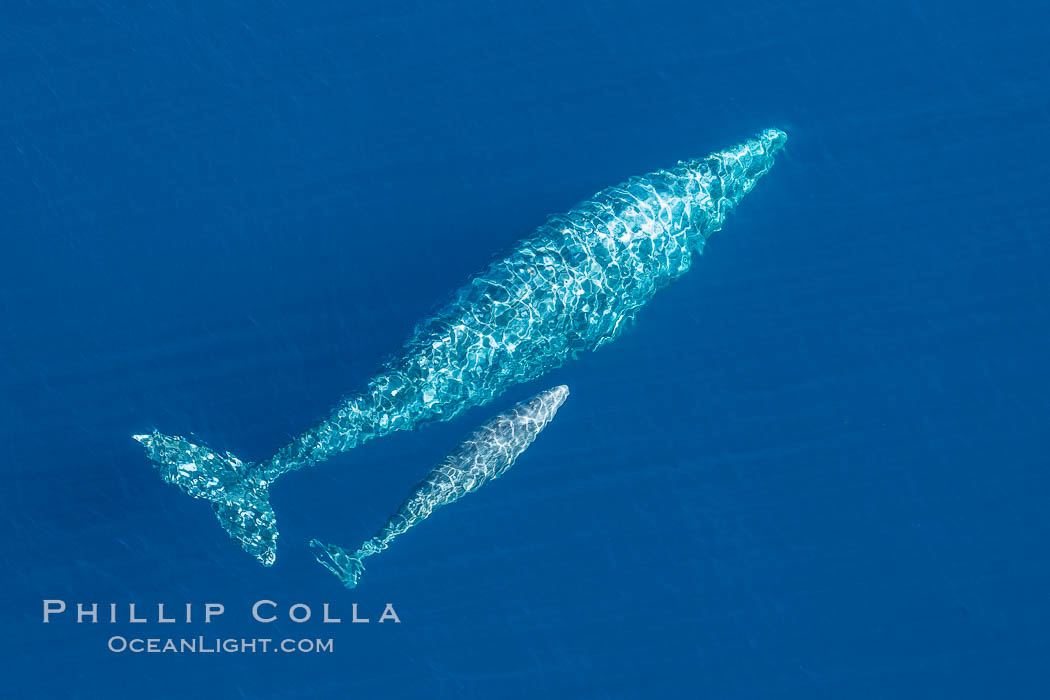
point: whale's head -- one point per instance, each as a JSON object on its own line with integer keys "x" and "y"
{"x": 728, "y": 175}
{"x": 739, "y": 169}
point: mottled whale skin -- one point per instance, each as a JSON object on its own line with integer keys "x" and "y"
{"x": 572, "y": 286}
{"x": 485, "y": 456}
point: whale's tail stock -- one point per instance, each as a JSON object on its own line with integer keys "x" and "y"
{"x": 240, "y": 498}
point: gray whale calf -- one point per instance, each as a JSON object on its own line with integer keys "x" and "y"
{"x": 570, "y": 287}
{"x": 486, "y": 455}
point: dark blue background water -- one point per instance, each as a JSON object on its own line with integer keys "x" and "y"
{"x": 815, "y": 468}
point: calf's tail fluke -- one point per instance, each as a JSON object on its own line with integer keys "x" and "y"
{"x": 347, "y": 566}
{"x": 240, "y": 498}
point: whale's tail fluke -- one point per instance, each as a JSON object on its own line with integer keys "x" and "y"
{"x": 345, "y": 565}
{"x": 240, "y": 499}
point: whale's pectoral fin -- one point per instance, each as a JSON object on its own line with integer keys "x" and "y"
{"x": 240, "y": 499}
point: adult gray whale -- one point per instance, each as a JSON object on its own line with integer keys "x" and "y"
{"x": 573, "y": 286}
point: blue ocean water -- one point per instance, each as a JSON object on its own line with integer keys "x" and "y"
{"x": 816, "y": 467}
